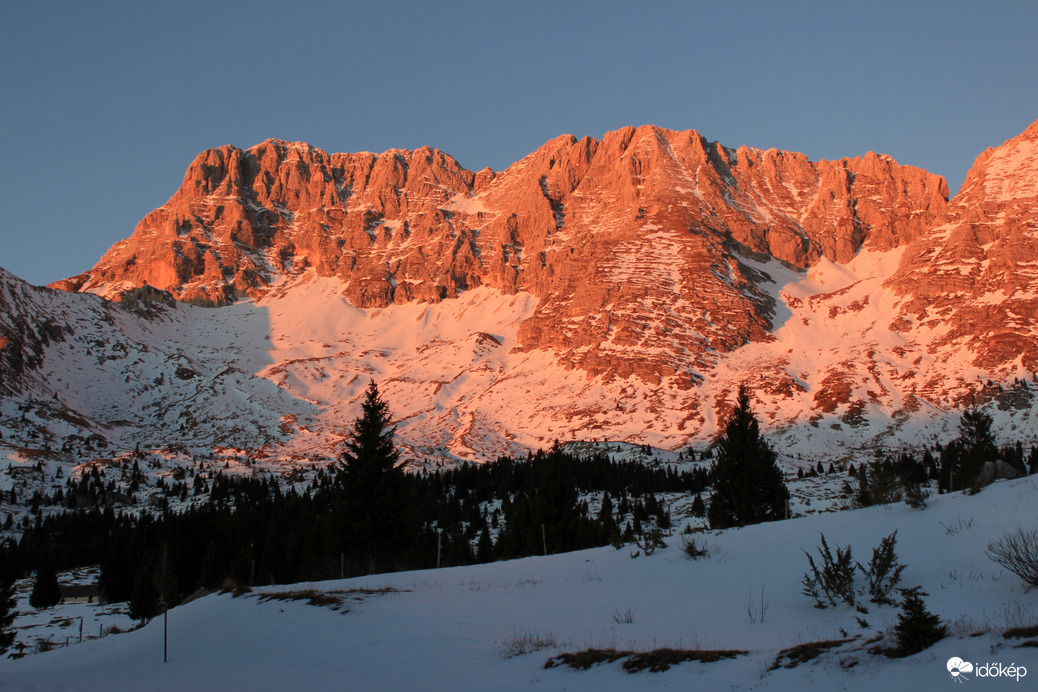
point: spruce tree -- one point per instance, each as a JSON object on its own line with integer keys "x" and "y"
{"x": 485, "y": 546}
{"x": 977, "y": 445}
{"x": 917, "y": 628}
{"x": 7, "y": 613}
{"x": 748, "y": 484}
{"x": 45, "y": 590}
{"x": 605, "y": 517}
{"x": 381, "y": 516}
{"x": 144, "y": 600}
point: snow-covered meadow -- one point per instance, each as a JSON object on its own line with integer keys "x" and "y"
{"x": 465, "y": 628}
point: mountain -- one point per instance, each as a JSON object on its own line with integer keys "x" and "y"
{"x": 972, "y": 275}
{"x": 584, "y": 226}
{"x": 618, "y": 288}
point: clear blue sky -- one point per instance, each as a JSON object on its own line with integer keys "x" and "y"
{"x": 104, "y": 104}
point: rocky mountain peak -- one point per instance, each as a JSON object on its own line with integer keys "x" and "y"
{"x": 973, "y": 276}
{"x": 631, "y": 243}
{"x": 621, "y": 287}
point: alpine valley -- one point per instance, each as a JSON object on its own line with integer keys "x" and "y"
{"x": 614, "y": 290}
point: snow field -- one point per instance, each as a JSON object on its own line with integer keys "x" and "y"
{"x": 450, "y": 629}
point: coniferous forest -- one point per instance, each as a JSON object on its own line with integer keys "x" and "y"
{"x": 250, "y": 532}
{"x": 365, "y": 515}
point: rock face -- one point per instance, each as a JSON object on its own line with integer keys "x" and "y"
{"x": 973, "y": 276}
{"x": 627, "y": 241}
{"x": 620, "y": 289}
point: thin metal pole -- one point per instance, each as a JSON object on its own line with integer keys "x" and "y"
{"x": 165, "y": 609}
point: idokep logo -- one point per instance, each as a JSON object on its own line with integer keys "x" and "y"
{"x": 958, "y": 669}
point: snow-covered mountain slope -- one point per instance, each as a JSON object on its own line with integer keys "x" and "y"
{"x": 280, "y": 377}
{"x": 625, "y": 241}
{"x": 972, "y": 278}
{"x": 497, "y": 624}
{"x": 619, "y": 289}
{"x": 76, "y": 366}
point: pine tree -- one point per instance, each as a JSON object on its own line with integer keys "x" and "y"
{"x": 45, "y": 590}
{"x": 605, "y": 517}
{"x": 7, "y": 612}
{"x": 977, "y": 445}
{"x": 370, "y": 451}
{"x": 748, "y": 485}
{"x": 917, "y": 628}
{"x": 381, "y": 516}
{"x": 485, "y": 546}
{"x": 144, "y": 600}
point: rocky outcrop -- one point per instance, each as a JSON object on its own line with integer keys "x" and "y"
{"x": 627, "y": 241}
{"x": 620, "y": 288}
{"x": 973, "y": 276}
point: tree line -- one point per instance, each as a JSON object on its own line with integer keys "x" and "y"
{"x": 367, "y": 516}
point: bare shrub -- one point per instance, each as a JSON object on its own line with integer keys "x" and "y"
{"x": 695, "y": 548}
{"x": 1017, "y": 551}
{"x": 652, "y": 540}
{"x": 623, "y": 617}
{"x": 961, "y": 525}
{"x": 521, "y": 642}
{"x": 757, "y": 613}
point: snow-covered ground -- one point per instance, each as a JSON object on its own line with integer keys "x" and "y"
{"x": 65, "y": 624}
{"x": 456, "y": 629}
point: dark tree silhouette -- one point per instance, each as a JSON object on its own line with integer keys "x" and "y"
{"x": 370, "y": 452}
{"x": 976, "y": 445}
{"x": 249, "y": 530}
{"x": 144, "y": 601}
{"x": 7, "y": 604}
{"x": 381, "y": 518}
{"x": 45, "y": 591}
{"x": 917, "y": 628}
{"x": 748, "y": 485}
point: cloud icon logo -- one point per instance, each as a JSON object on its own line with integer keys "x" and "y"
{"x": 956, "y": 666}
